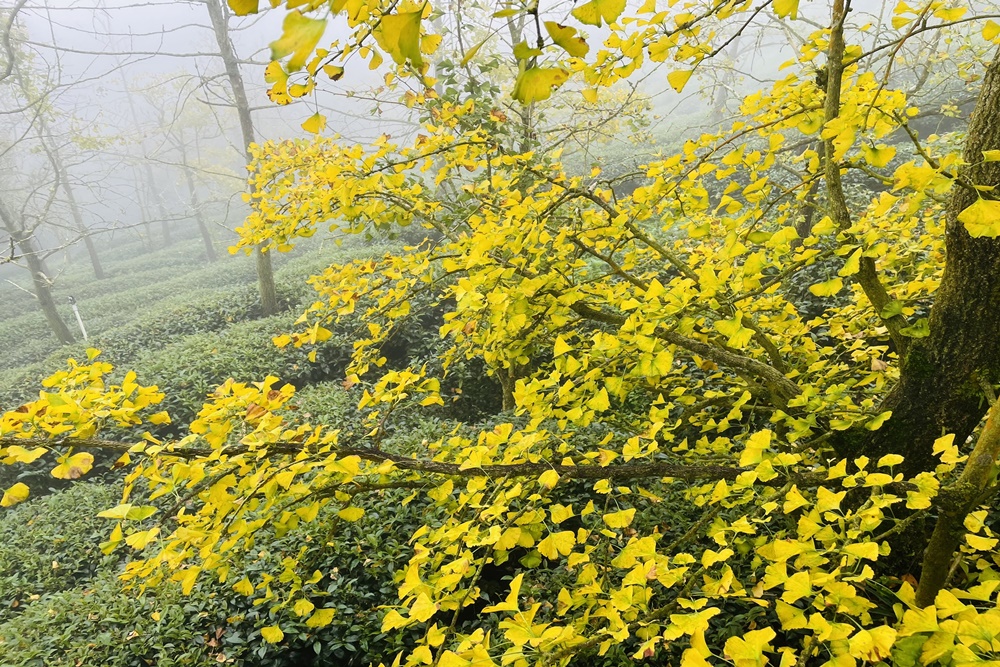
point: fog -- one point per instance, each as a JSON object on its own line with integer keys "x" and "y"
{"x": 120, "y": 124}
{"x": 129, "y": 92}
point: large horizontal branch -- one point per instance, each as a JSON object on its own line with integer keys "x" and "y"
{"x": 629, "y": 471}
{"x": 768, "y": 373}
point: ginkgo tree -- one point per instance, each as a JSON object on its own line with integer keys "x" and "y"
{"x": 648, "y": 345}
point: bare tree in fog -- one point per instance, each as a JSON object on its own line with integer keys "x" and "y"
{"x": 31, "y": 188}
{"x": 220, "y": 15}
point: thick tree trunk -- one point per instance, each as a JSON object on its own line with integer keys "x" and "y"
{"x": 218, "y": 12}
{"x": 43, "y": 291}
{"x": 957, "y": 500}
{"x": 39, "y": 277}
{"x": 265, "y": 282}
{"x": 940, "y": 388}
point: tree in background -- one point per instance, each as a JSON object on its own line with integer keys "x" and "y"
{"x": 219, "y": 14}
{"x": 655, "y": 343}
{"x": 26, "y": 203}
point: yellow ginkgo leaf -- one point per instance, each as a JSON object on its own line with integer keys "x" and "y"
{"x": 748, "y": 650}
{"x": 472, "y": 51}
{"x": 18, "y": 454}
{"x": 315, "y": 124}
{"x": 679, "y": 78}
{"x": 320, "y": 618}
{"x": 142, "y": 539}
{"x": 429, "y": 44}
{"x": 399, "y": 36}
{"x": 600, "y": 401}
{"x": 244, "y": 7}
{"x": 301, "y": 89}
{"x": 302, "y": 607}
{"x": 275, "y": 73}
{"x": 785, "y": 8}
{"x": 878, "y": 156}
{"x": 523, "y": 51}
{"x": 74, "y": 467}
{"x": 548, "y": 479}
{"x": 537, "y": 83}
{"x": 594, "y": 11}
{"x": 852, "y": 265}
{"x": 739, "y": 335}
{"x": 351, "y": 513}
{"x": 561, "y": 347}
{"x": 14, "y": 495}
{"x": 560, "y": 513}
{"x": 827, "y": 288}
{"x": 950, "y": 14}
{"x": 568, "y": 39}
{"x": 991, "y": 31}
{"x": 423, "y": 608}
{"x": 827, "y": 500}
{"x": 866, "y": 550}
{"x": 619, "y": 519}
{"x": 557, "y": 544}
{"x": 899, "y": 22}
{"x": 272, "y": 634}
{"x": 510, "y": 603}
{"x": 243, "y": 587}
{"x": 299, "y": 37}
{"x": 810, "y": 122}
{"x": 161, "y": 417}
{"x": 982, "y": 218}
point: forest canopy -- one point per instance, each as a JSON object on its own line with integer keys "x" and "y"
{"x": 754, "y": 378}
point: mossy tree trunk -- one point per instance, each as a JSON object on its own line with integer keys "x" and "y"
{"x": 940, "y": 389}
{"x": 956, "y": 501}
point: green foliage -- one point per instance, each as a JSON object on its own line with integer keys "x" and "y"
{"x": 99, "y": 625}
{"x": 47, "y": 612}
{"x": 51, "y": 544}
{"x": 154, "y": 298}
{"x": 148, "y": 303}
{"x": 191, "y": 368}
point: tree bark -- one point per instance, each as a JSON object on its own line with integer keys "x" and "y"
{"x": 43, "y": 291}
{"x": 39, "y": 277}
{"x": 940, "y": 387}
{"x": 218, "y": 12}
{"x": 957, "y": 500}
{"x": 804, "y": 226}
